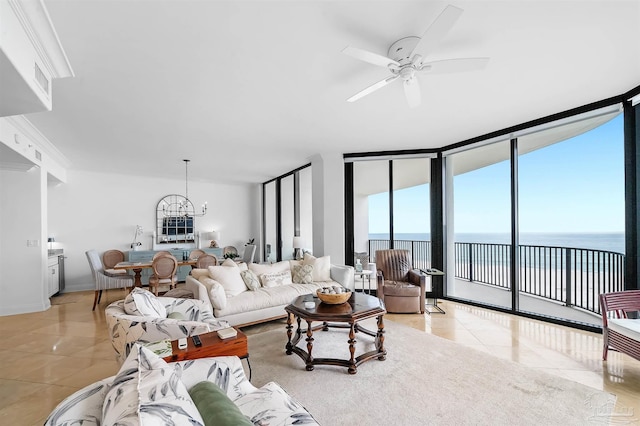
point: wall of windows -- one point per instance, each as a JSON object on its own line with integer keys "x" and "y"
{"x": 538, "y": 215}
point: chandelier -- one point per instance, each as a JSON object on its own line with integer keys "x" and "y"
{"x": 182, "y": 206}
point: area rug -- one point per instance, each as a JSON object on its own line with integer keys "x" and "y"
{"x": 424, "y": 380}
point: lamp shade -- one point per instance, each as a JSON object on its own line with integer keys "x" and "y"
{"x": 298, "y": 242}
{"x": 213, "y": 235}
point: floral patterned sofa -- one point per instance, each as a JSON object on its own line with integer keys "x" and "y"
{"x": 147, "y": 390}
{"x": 143, "y": 317}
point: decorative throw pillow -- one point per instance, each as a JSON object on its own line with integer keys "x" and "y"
{"x": 303, "y": 274}
{"x": 137, "y": 395}
{"x": 143, "y": 303}
{"x": 321, "y": 266}
{"x": 230, "y": 279}
{"x": 199, "y": 272}
{"x": 269, "y": 268}
{"x": 250, "y": 279}
{"x": 164, "y": 399}
{"x": 216, "y": 292}
{"x": 293, "y": 263}
{"x": 176, "y": 315}
{"x": 215, "y": 407}
{"x": 121, "y": 401}
{"x": 229, "y": 262}
{"x": 276, "y": 279}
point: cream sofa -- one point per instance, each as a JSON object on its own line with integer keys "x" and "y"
{"x": 138, "y": 395}
{"x": 266, "y": 301}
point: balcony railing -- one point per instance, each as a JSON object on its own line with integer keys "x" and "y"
{"x": 572, "y": 276}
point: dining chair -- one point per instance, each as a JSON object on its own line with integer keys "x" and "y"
{"x": 111, "y": 258}
{"x": 104, "y": 281}
{"x": 195, "y": 254}
{"x": 206, "y": 260}
{"x": 161, "y": 253}
{"x": 249, "y": 253}
{"x": 229, "y": 249}
{"x": 164, "y": 272}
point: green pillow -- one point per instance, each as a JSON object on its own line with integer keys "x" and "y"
{"x": 215, "y": 407}
{"x": 176, "y": 316}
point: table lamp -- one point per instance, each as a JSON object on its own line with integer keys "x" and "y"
{"x": 297, "y": 247}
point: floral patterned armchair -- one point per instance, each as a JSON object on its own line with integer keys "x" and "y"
{"x": 118, "y": 397}
{"x": 194, "y": 317}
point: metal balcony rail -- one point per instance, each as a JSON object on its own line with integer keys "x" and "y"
{"x": 572, "y": 276}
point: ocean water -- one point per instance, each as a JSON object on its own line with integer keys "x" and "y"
{"x": 613, "y": 242}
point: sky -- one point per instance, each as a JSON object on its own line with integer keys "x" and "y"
{"x": 576, "y": 185}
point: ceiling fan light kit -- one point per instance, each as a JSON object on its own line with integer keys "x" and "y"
{"x": 405, "y": 57}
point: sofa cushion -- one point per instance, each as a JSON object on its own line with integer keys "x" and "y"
{"x": 626, "y": 326}
{"x": 276, "y": 279}
{"x": 321, "y": 266}
{"x": 271, "y": 405}
{"x": 163, "y": 397}
{"x": 216, "y": 292}
{"x": 229, "y": 277}
{"x": 141, "y": 302}
{"x": 269, "y": 268}
{"x": 215, "y": 407}
{"x": 266, "y": 298}
{"x": 302, "y": 274}
{"x": 250, "y": 279}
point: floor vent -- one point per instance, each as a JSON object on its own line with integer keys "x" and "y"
{"x": 41, "y": 79}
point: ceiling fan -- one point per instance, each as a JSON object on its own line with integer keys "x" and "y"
{"x": 406, "y": 58}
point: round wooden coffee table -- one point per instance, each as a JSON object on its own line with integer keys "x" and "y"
{"x": 359, "y": 307}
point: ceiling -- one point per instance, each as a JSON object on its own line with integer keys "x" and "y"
{"x": 249, "y": 90}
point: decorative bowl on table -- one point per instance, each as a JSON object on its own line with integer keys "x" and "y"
{"x": 334, "y": 298}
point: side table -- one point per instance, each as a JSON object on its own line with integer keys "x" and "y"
{"x": 362, "y": 274}
{"x": 431, "y": 273}
{"x": 212, "y": 345}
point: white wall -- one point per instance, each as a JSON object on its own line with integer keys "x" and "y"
{"x": 100, "y": 211}
{"x": 328, "y": 206}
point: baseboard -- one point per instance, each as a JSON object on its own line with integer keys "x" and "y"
{"x": 73, "y": 289}
{"x": 25, "y": 309}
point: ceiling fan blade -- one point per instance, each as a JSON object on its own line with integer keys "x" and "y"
{"x": 436, "y": 31}
{"x": 372, "y": 88}
{"x": 454, "y": 65}
{"x": 412, "y": 92}
{"x": 372, "y": 58}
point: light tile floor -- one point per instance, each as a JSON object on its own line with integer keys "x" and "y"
{"x": 54, "y": 353}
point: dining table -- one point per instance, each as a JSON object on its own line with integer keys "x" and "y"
{"x": 137, "y": 268}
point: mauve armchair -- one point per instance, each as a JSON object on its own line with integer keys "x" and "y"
{"x": 401, "y": 288}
